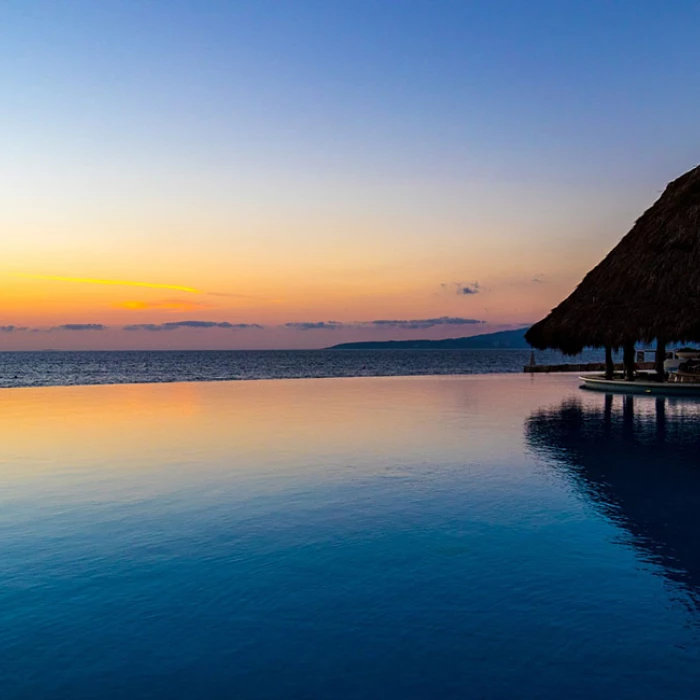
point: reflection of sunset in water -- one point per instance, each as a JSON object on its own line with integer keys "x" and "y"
{"x": 143, "y": 426}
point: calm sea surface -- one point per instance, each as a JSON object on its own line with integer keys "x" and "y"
{"x": 405, "y": 537}
{"x": 73, "y": 368}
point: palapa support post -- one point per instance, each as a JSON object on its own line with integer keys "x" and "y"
{"x": 628, "y": 360}
{"x": 660, "y": 358}
{"x": 609, "y": 365}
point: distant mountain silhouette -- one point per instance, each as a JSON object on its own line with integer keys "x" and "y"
{"x": 488, "y": 341}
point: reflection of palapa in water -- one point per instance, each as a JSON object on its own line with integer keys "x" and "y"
{"x": 637, "y": 459}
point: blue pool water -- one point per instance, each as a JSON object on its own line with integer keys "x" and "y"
{"x": 419, "y": 537}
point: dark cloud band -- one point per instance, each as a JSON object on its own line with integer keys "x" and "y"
{"x": 176, "y": 325}
{"x": 416, "y": 323}
{"x": 315, "y": 325}
{"x": 425, "y": 322}
{"x": 79, "y": 327}
{"x": 411, "y": 324}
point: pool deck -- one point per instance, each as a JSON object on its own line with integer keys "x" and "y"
{"x": 581, "y": 367}
{"x": 640, "y": 386}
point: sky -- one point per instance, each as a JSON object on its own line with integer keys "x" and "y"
{"x": 298, "y": 173}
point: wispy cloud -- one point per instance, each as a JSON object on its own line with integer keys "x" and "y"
{"x": 310, "y": 325}
{"x": 469, "y": 289}
{"x": 539, "y": 278}
{"x": 316, "y": 325}
{"x": 414, "y": 324}
{"x": 149, "y": 285}
{"x": 63, "y": 327}
{"x": 79, "y": 327}
{"x": 425, "y": 322}
{"x": 121, "y": 283}
{"x": 460, "y": 288}
{"x": 378, "y": 324}
{"x": 176, "y": 325}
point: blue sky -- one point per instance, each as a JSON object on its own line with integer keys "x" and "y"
{"x": 340, "y": 160}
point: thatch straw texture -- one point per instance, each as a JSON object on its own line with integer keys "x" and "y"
{"x": 647, "y": 287}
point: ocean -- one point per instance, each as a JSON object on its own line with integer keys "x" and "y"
{"x": 24, "y": 369}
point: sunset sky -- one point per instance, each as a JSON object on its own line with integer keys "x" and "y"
{"x": 297, "y": 173}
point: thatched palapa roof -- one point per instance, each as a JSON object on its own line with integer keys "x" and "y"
{"x": 647, "y": 287}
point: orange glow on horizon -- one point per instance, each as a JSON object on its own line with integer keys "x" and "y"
{"x": 166, "y": 305}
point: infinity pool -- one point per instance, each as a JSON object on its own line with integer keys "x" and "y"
{"x": 442, "y": 537}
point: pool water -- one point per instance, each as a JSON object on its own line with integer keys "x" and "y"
{"x": 406, "y": 537}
